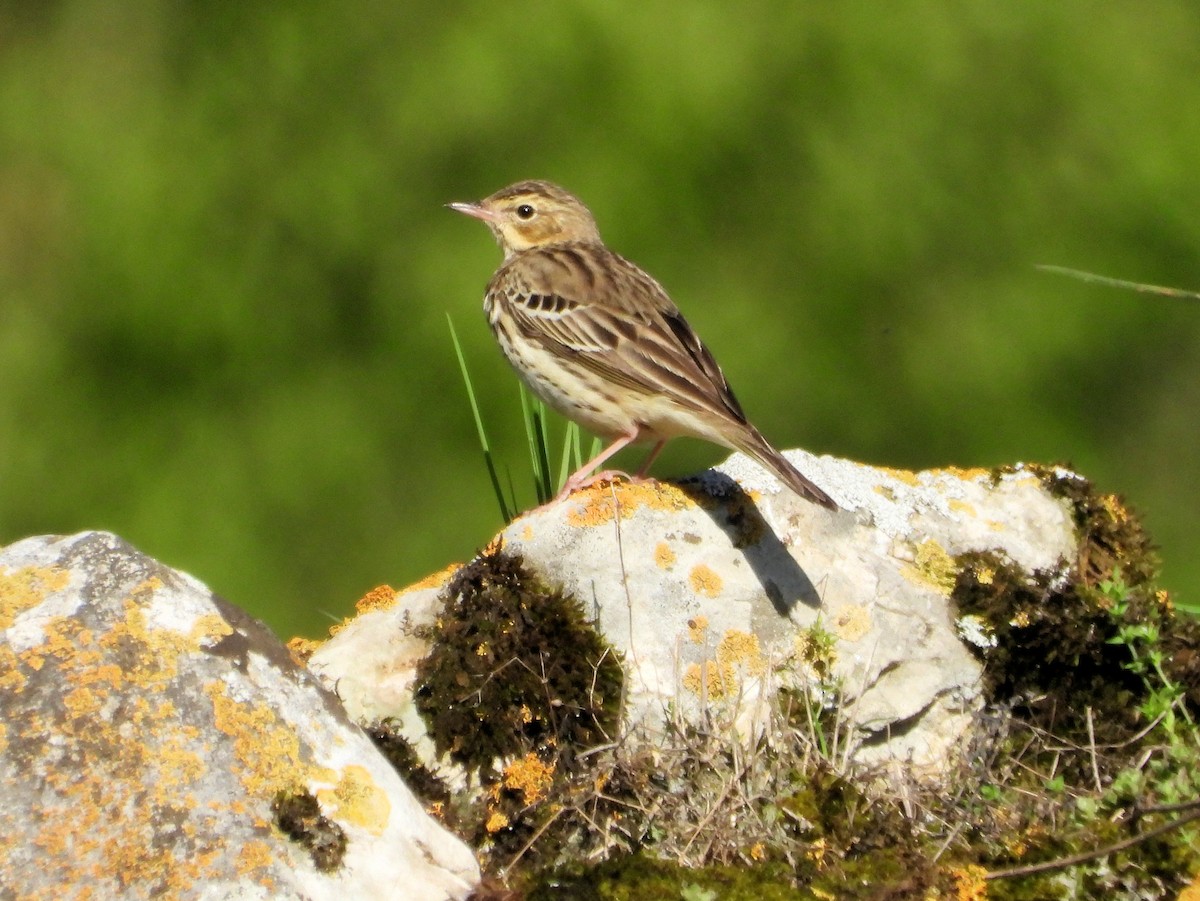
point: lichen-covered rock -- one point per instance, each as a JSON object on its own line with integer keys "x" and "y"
{"x": 715, "y": 590}
{"x": 156, "y": 742}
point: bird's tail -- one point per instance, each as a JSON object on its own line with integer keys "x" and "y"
{"x": 755, "y": 445}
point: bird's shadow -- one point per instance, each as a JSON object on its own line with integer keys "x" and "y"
{"x": 783, "y": 580}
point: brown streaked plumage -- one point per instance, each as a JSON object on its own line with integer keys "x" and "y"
{"x": 600, "y": 341}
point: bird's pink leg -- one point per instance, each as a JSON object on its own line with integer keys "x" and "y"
{"x": 650, "y": 458}
{"x": 582, "y": 478}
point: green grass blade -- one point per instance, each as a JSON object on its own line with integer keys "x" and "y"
{"x": 506, "y": 510}
{"x": 570, "y": 454}
{"x": 1092, "y": 278}
{"x": 533, "y": 411}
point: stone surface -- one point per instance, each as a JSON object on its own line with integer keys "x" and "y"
{"x": 147, "y": 727}
{"x": 710, "y": 588}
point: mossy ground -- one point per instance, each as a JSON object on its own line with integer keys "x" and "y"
{"x": 1088, "y": 743}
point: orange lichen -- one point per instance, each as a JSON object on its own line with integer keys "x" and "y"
{"x": 738, "y": 655}
{"x": 601, "y": 503}
{"x": 302, "y": 649}
{"x": 1192, "y": 891}
{"x": 529, "y": 775}
{"x": 704, "y": 580}
{"x": 967, "y": 474}
{"x": 252, "y": 856}
{"x": 208, "y": 629}
{"x": 970, "y": 883}
{"x": 11, "y": 677}
{"x": 25, "y": 588}
{"x": 698, "y": 629}
{"x": 435, "y": 579}
{"x": 378, "y": 598}
{"x": 664, "y": 557}
{"x": 146, "y": 753}
{"x": 267, "y": 750}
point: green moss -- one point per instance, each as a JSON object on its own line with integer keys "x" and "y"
{"x": 638, "y": 877}
{"x": 1053, "y": 654}
{"x": 424, "y": 783}
{"x": 514, "y": 667}
{"x": 299, "y": 817}
{"x": 517, "y": 683}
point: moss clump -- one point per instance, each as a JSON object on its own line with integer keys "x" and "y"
{"x": 299, "y": 817}
{"x": 638, "y": 877}
{"x": 425, "y": 784}
{"x": 517, "y": 683}
{"x": 515, "y": 667}
{"x": 1053, "y": 650}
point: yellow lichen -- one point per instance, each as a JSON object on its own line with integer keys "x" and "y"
{"x": 852, "y": 622}
{"x": 357, "y": 799}
{"x": 932, "y": 565}
{"x": 906, "y": 476}
{"x": 704, "y": 580}
{"x": 1115, "y": 509}
{"x": 698, "y": 629}
{"x": 960, "y": 506}
{"x": 208, "y": 628}
{"x": 664, "y": 557}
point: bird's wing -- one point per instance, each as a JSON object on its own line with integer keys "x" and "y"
{"x": 590, "y": 306}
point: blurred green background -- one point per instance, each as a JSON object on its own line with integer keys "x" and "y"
{"x": 225, "y": 267}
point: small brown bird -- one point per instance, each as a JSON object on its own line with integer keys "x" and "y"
{"x": 600, "y": 341}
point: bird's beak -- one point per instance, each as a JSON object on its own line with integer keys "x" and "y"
{"x": 475, "y": 210}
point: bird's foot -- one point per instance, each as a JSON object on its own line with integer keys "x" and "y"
{"x": 608, "y": 475}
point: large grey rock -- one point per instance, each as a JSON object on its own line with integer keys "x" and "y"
{"x": 146, "y": 730}
{"x": 714, "y": 590}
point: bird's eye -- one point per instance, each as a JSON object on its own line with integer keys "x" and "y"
{"x": 525, "y": 211}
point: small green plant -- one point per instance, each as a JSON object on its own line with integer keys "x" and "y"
{"x": 535, "y": 415}
{"x": 1163, "y": 695}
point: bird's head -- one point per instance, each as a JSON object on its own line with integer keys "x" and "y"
{"x": 532, "y": 214}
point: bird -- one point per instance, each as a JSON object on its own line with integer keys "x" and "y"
{"x": 601, "y": 342}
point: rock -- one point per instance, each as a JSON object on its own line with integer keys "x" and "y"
{"x": 157, "y": 742}
{"x": 718, "y": 589}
